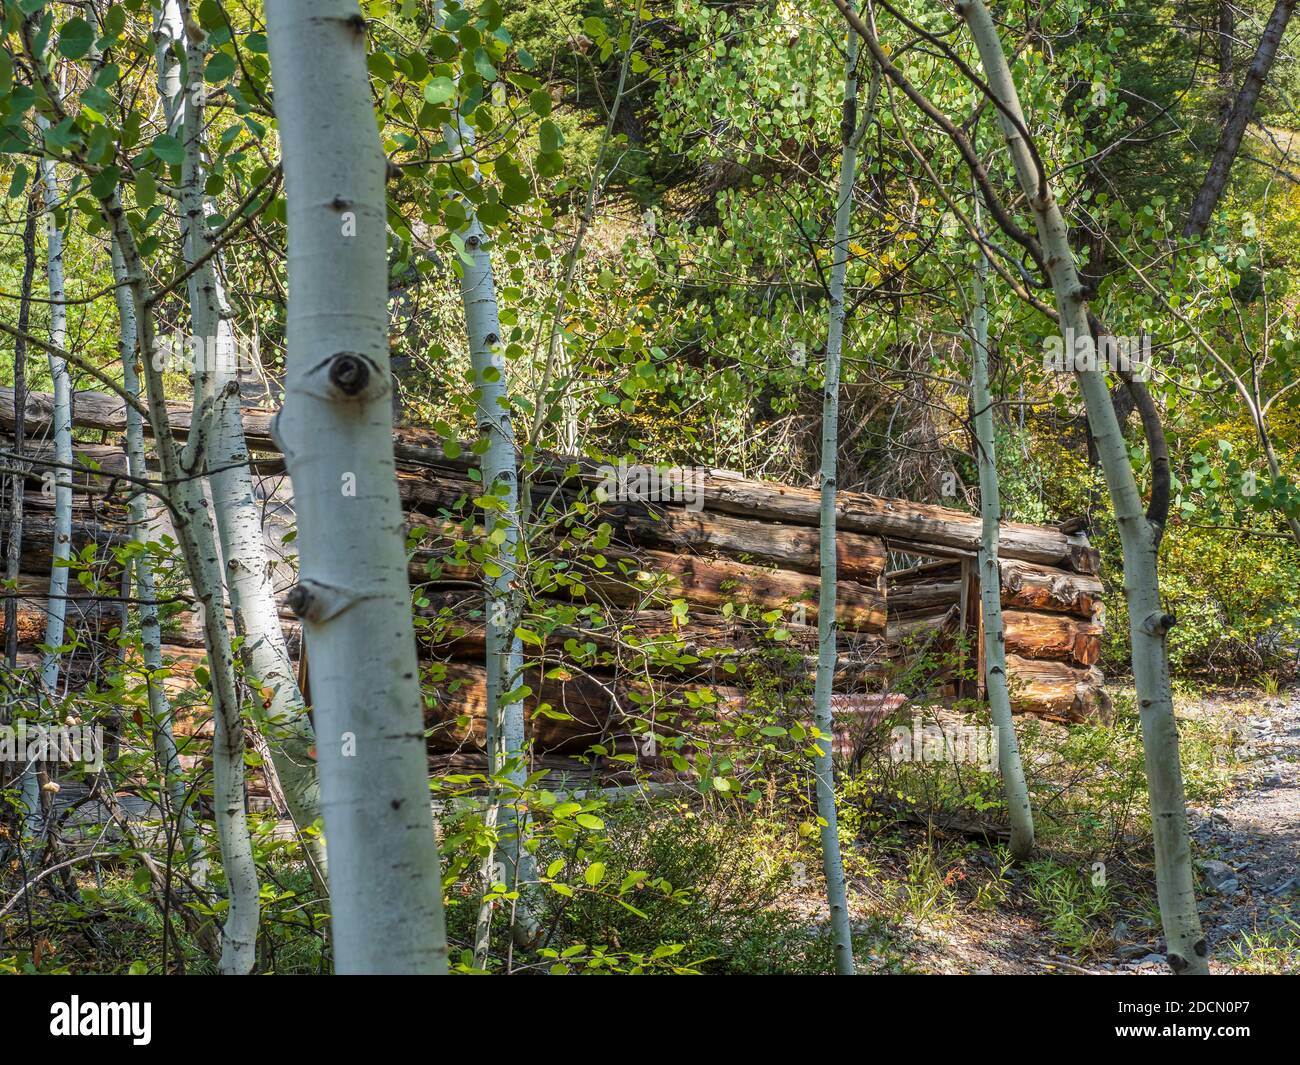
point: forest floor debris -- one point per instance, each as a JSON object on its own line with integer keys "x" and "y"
{"x": 1246, "y": 842}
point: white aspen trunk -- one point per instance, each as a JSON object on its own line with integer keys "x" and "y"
{"x": 504, "y": 650}
{"x": 194, "y": 533}
{"x": 60, "y": 477}
{"x": 995, "y": 659}
{"x": 160, "y": 711}
{"x": 336, "y": 433}
{"x": 832, "y": 862}
{"x": 1148, "y": 621}
{"x": 288, "y": 732}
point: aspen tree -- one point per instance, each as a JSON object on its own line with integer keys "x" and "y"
{"x": 832, "y": 862}
{"x": 142, "y": 569}
{"x": 336, "y": 431}
{"x": 1149, "y": 623}
{"x": 995, "y": 657}
{"x": 56, "y": 480}
{"x": 248, "y": 574}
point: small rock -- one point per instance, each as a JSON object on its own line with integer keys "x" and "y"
{"x": 1219, "y": 876}
{"x": 1132, "y": 951}
{"x": 1151, "y": 959}
{"x": 1120, "y": 933}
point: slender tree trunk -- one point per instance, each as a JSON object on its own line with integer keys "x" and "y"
{"x": 1234, "y": 126}
{"x": 336, "y": 433}
{"x": 1149, "y": 623}
{"x": 14, "y": 533}
{"x": 500, "y": 479}
{"x": 832, "y": 863}
{"x": 59, "y": 476}
{"x": 288, "y": 731}
{"x": 160, "y": 711}
{"x": 995, "y": 658}
{"x": 1227, "y": 34}
{"x": 196, "y": 537}
{"x": 193, "y": 527}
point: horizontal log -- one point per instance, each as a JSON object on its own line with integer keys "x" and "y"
{"x": 923, "y": 596}
{"x": 1044, "y": 588}
{"x": 565, "y": 714}
{"x": 915, "y": 526}
{"x": 1056, "y": 690}
{"x": 712, "y": 583}
{"x": 36, "y": 550}
{"x": 1034, "y": 634}
{"x": 97, "y": 463}
{"x": 704, "y": 650}
{"x": 919, "y": 524}
{"x": 798, "y": 547}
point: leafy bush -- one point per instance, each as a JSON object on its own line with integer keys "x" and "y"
{"x": 724, "y": 877}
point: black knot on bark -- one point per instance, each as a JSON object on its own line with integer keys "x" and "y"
{"x": 340, "y": 203}
{"x": 491, "y": 338}
{"x": 349, "y": 373}
{"x": 299, "y": 600}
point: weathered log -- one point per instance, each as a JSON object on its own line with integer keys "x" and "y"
{"x": 714, "y": 582}
{"x": 566, "y": 712}
{"x": 858, "y": 558}
{"x": 1056, "y": 690}
{"x": 918, "y": 527}
{"x": 38, "y": 538}
{"x": 1044, "y": 588}
{"x": 1035, "y": 634}
{"x": 923, "y": 597}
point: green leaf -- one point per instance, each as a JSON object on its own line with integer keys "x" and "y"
{"x": 18, "y": 182}
{"x": 551, "y": 138}
{"x": 219, "y": 68}
{"x": 76, "y": 36}
{"x": 146, "y": 189}
{"x": 590, "y": 821}
{"x": 595, "y": 873}
{"x": 439, "y": 90}
{"x": 169, "y": 149}
{"x": 483, "y": 64}
{"x": 540, "y": 101}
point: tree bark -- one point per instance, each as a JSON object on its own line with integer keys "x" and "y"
{"x": 14, "y": 530}
{"x": 60, "y": 476}
{"x": 1148, "y": 621}
{"x": 336, "y": 433}
{"x": 1234, "y": 126}
{"x": 995, "y": 663}
{"x": 823, "y": 716}
{"x": 160, "y": 711}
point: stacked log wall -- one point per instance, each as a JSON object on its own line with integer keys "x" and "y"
{"x": 741, "y": 554}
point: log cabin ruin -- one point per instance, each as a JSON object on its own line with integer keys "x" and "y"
{"x": 661, "y": 598}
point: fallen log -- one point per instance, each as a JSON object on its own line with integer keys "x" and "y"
{"x": 714, "y": 583}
